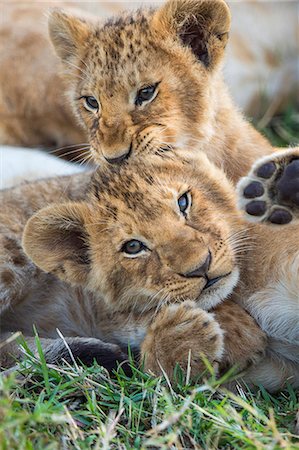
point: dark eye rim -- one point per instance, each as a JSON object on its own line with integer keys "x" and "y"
{"x": 142, "y": 247}
{"x": 186, "y": 194}
{"x": 86, "y": 99}
{"x": 139, "y": 103}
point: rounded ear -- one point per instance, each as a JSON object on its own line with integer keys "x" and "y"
{"x": 56, "y": 240}
{"x": 201, "y": 25}
{"x": 68, "y": 33}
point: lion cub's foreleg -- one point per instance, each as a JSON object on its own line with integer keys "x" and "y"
{"x": 181, "y": 334}
{"x": 270, "y": 192}
{"x": 244, "y": 341}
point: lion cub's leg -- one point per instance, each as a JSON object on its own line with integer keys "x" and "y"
{"x": 270, "y": 192}
{"x": 80, "y": 349}
{"x": 184, "y": 332}
{"x": 244, "y": 341}
{"x": 16, "y": 272}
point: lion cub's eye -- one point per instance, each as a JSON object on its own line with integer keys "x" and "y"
{"x": 184, "y": 202}
{"x": 145, "y": 94}
{"x": 133, "y": 247}
{"x": 90, "y": 103}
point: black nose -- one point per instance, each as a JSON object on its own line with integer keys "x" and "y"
{"x": 202, "y": 270}
{"x": 121, "y": 158}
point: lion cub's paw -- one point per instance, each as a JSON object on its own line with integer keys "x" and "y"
{"x": 270, "y": 192}
{"x": 179, "y": 334}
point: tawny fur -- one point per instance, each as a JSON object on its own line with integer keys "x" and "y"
{"x": 33, "y": 110}
{"x": 191, "y": 108}
{"x": 257, "y": 58}
{"x": 112, "y": 60}
{"x": 83, "y": 283}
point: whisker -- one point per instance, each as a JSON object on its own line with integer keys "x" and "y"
{"x": 70, "y": 152}
{"x": 77, "y": 158}
{"x": 69, "y": 146}
{"x": 78, "y": 68}
{"x": 86, "y": 160}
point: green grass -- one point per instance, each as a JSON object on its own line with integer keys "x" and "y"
{"x": 282, "y": 129}
{"x": 63, "y": 407}
{"x": 49, "y": 408}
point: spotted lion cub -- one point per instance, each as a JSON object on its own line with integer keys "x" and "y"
{"x": 148, "y": 254}
{"x": 151, "y": 80}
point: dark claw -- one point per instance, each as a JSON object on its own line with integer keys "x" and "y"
{"x": 256, "y": 208}
{"x": 254, "y": 189}
{"x": 266, "y": 170}
{"x": 280, "y": 217}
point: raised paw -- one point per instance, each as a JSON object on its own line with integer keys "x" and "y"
{"x": 270, "y": 192}
{"x": 182, "y": 334}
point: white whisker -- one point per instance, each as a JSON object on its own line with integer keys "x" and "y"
{"x": 69, "y": 146}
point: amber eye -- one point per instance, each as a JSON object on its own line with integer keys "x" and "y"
{"x": 145, "y": 94}
{"x": 184, "y": 202}
{"x": 91, "y": 103}
{"x": 133, "y": 247}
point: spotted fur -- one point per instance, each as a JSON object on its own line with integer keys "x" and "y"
{"x": 112, "y": 61}
{"x": 257, "y": 57}
{"x": 83, "y": 283}
{"x": 178, "y": 48}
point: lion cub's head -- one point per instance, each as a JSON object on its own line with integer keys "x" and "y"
{"x": 145, "y": 81}
{"x": 146, "y": 235}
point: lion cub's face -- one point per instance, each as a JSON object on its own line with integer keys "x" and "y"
{"x": 147, "y": 235}
{"x": 142, "y": 83}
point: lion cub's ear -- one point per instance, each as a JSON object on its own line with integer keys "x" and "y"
{"x": 68, "y": 33}
{"x": 56, "y": 240}
{"x": 202, "y": 25}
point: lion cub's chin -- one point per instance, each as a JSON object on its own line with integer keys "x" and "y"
{"x": 209, "y": 298}
{"x": 212, "y": 296}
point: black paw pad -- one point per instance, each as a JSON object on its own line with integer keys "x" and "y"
{"x": 288, "y": 185}
{"x": 280, "y": 217}
{"x": 256, "y": 208}
{"x": 292, "y": 169}
{"x": 254, "y": 189}
{"x": 266, "y": 170}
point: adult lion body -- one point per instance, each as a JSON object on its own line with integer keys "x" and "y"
{"x": 121, "y": 245}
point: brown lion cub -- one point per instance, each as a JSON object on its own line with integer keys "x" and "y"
{"x": 151, "y": 81}
{"x": 140, "y": 253}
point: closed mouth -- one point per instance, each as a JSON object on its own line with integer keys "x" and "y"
{"x": 215, "y": 280}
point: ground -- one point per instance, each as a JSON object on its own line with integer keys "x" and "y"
{"x": 49, "y": 408}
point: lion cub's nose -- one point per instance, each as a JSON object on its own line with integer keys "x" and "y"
{"x": 201, "y": 271}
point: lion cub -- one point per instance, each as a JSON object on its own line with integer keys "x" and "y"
{"x": 151, "y": 81}
{"x": 146, "y": 254}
